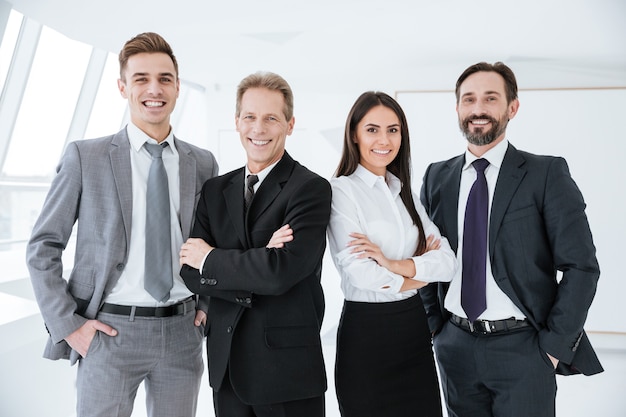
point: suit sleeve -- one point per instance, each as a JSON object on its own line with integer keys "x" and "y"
{"x": 429, "y": 293}
{"x": 268, "y": 271}
{"x": 47, "y": 243}
{"x": 574, "y": 255}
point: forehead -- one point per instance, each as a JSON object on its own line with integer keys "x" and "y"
{"x": 150, "y": 63}
{"x": 380, "y": 115}
{"x": 483, "y": 82}
{"x": 262, "y": 100}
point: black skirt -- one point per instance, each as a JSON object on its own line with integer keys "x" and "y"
{"x": 385, "y": 364}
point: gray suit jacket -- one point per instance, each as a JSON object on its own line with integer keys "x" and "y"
{"x": 537, "y": 227}
{"x": 93, "y": 188}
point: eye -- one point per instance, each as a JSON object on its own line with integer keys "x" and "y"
{"x": 166, "y": 80}
{"x": 468, "y": 100}
{"x": 371, "y": 130}
{"x": 394, "y": 130}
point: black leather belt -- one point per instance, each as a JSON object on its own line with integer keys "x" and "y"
{"x": 488, "y": 326}
{"x": 181, "y": 307}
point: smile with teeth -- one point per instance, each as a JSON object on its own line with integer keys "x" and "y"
{"x": 381, "y": 152}
{"x": 149, "y": 103}
{"x": 259, "y": 142}
{"x": 479, "y": 121}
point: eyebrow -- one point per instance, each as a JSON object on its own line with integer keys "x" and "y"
{"x": 375, "y": 125}
{"x": 471, "y": 93}
{"x": 143, "y": 74}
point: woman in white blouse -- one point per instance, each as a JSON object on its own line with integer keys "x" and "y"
{"x": 385, "y": 248}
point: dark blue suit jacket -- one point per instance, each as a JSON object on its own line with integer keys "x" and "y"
{"x": 537, "y": 227}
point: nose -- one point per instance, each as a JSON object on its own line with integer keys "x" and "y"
{"x": 258, "y": 126}
{"x": 154, "y": 88}
{"x": 384, "y": 138}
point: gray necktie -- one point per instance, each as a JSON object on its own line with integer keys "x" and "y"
{"x": 158, "y": 269}
{"x": 250, "y": 181}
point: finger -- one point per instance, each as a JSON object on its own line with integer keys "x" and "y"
{"x": 104, "y": 328}
{"x": 200, "y": 318}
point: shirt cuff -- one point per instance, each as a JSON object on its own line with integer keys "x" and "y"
{"x": 204, "y": 260}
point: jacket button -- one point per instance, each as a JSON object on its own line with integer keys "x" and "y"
{"x": 202, "y": 281}
{"x": 119, "y": 267}
{"x": 212, "y": 282}
{"x": 248, "y": 300}
{"x": 230, "y": 329}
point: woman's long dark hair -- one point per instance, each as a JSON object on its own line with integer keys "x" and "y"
{"x": 400, "y": 166}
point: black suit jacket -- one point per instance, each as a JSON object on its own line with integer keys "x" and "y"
{"x": 537, "y": 227}
{"x": 266, "y": 305}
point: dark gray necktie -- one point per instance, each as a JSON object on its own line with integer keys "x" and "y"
{"x": 250, "y": 181}
{"x": 473, "y": 287}
{"x": 158, "y": 269}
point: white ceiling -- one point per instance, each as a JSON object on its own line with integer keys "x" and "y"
{"x": 348, "y": 46}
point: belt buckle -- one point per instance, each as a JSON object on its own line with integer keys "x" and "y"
{"x": 486, "y": 327}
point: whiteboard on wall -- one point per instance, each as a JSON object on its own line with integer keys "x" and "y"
{"x": 586, "y": 127}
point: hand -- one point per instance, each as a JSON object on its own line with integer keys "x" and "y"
{"x": 280, "y": 237}
{"x": 366, "y": 249}
{"x": 200, "y": 318}
{"x": 432, "y": 243}
{"x": 193, "y": 251}
{"x": 81, "y": 339}
{"x": 554, "y": 360}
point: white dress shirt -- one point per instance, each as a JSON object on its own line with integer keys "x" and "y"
{"x": 499, "y": 305}
{"x": 129, "y": 289}
{"x": 369, "y": 204}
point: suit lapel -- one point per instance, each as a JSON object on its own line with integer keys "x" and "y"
{"x": 122, "y": 176}
{"x": 509, "y": 179}
{"x": 233, "y": 197}
{"x": 450, "y": 184}
{"x": 187, "y": 175}
{"x": 270, "y": 187}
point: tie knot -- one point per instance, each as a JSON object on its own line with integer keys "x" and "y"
{"x": 480, "y": 164}
{"x": 251, "y": 180}
{"x": 155, "y": 151}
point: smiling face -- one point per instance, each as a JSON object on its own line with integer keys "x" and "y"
{"x": 483, "y": 110}
{"x": 151, "y": 87}
{"x": 263, "y": 127}
{"x": 378, "y": 136}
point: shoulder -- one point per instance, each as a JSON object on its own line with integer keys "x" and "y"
{"x": 193, "y": 150}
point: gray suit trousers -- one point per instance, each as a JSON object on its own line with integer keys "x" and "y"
{"x": 164, "y": 353}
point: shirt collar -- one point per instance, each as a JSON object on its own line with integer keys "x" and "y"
{"x": 263, "y": 173}
{"x": 370, "y": 179}
{"x": 495, "y": 155}
{"x": 138, "y": 137}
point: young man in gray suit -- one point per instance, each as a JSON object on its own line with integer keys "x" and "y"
{"x": 267, "y": 304}
{"x": 505, "y": 324}
{"x": 125, "y": 313}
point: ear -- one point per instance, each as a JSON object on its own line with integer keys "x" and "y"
{"x": 290, "y": 125}
{"x": 513, "y": 108}
{"x": 121, "y": 85}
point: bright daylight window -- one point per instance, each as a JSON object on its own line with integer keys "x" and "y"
{"x": 47, "y": 107}
{"x": 7, "y": 46}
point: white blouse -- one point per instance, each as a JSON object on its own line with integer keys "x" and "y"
{"x": 369, "y": 204}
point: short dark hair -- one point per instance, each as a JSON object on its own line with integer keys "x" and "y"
{"x": 510, "y": 83}
{"x": 148, "y": 42}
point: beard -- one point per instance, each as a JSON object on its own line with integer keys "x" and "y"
{"x": 479, "y": 136}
